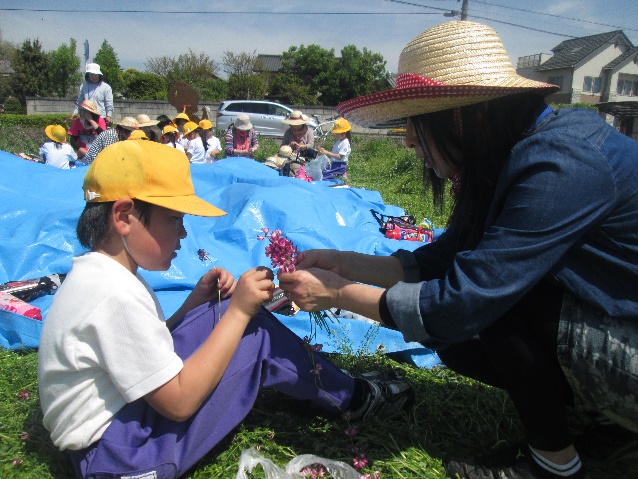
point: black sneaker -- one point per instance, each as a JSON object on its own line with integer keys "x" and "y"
{"x": 513, "y": 462}
{"x": 386, "y": 399}
{"x": 607, "y": 442}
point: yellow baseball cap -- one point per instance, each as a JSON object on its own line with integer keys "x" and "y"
{"x": 147, "y": 171}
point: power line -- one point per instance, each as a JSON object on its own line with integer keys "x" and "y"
{"x": 562, "y": 17}
{"x": 51, "y": 10}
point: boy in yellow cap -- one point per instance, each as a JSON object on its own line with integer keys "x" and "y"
{"x": 130, "y": 394}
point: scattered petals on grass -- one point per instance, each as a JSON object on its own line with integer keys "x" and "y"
{"x": 23, "y": 395}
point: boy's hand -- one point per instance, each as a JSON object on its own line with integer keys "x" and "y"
{"x": 216, "y": 280}
{"x": 254, "y": 287}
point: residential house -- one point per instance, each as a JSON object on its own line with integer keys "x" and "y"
{"x": 598, "y": 70}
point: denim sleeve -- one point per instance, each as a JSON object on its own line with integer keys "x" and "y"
{"x": 552, "y": 190}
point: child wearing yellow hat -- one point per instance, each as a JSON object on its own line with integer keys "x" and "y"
{"x": 212, "y": 145}
{"x": 127, "y": 392}
{"x": 340, "y": 151}
{"x": 58, "y": 152}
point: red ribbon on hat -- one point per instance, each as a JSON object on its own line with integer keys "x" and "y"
{"x": 412, "y": 80}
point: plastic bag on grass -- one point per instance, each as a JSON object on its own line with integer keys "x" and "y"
{"x": 251, "y": 458}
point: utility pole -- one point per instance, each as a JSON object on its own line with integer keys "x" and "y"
{"x": 462, "y": 13}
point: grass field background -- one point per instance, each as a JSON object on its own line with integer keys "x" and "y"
{"x": 452, "y": 415}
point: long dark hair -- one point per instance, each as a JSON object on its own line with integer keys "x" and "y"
{"x": 485, "y": 133}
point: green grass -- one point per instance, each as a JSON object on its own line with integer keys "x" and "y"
{"x": 453, "y": 415}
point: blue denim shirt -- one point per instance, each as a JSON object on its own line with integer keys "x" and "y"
{"x": 565, "y": 208}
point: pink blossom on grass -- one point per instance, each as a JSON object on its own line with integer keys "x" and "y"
{"x": 360, "y": 461}
{"x": 24, "y": 395}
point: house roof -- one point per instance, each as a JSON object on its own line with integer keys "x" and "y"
{"x": 568, "y": 53}
{"x": 270, "y": 63}
{"x": 619, "y": 108}
{"x": 621, "y": 58}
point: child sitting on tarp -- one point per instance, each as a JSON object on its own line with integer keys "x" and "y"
{"x": 127, "y": 393}
{"x": 57, "y": 152}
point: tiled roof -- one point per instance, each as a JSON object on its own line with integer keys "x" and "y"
{"x": 568, "y": 53}
{"x": 270, "y": 63}
{"x": 621, "y": 58}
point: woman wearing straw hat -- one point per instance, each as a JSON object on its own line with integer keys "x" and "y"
{"x": 241, "y": 139}
{"x": 57, "y": 152}
{"x": 298, "y": 136}
{"x": 532, "y": 288}
{"x": 97, "y": 90}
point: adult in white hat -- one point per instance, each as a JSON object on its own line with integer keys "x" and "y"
{"x": 96, "y": 89}
{"x": 241, "y": 139}
{"x": 532, "y": 288}
{"x": 298, "y": 136}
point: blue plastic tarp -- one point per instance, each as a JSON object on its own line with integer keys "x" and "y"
{"x": 40, "y": 205}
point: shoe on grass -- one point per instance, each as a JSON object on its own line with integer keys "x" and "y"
{"x": 386, "y": 399}
{"x": 513, "y": 462}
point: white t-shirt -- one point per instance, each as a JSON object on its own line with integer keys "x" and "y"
{"x": 342, "y": 148}
{"x": 104, "y": 343}
{"x": 58, "y": 157}
{"x": 196, "y": 150}
{"x": 213, "y": 145}
{"x": 177, "y": 146}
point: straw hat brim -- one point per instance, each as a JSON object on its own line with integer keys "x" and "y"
{"x": 295, "y": 121}
{"x": 392, "y": 107}
{"x": 149, "y": 123}
{"x": 84, "y": 107}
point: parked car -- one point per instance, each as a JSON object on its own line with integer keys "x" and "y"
{"x": 265, "y": 116}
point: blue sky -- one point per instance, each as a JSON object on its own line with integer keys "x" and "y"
{"x": 270, "y": 27}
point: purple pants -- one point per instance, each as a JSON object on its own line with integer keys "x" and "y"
{"x": 141, "y": 443}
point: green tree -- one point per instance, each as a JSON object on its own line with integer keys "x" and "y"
{"x": 191, "y": 68}
{"x": 64, "y": 71}
{"x": 289, "y": 89}
{"x": 31, "y": 71}
{"x": 110, "y": 66}
{"x": 358, "y": 73}
{"x": 332, "y": 79}
{"x": 251, "y": 87}
{"x": 314, "y": 66}
{"x": 214, "y": 89}
{"x": 143, "y": 85}
{"x": 7, "y": 50}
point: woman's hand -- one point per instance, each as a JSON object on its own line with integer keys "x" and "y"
{"x": 254, "y": 287}
{"x": 328, "y": 259}
{"x": 312, "y": 289}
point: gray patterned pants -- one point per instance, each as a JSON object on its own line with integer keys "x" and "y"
{"x": 599, "y": 356}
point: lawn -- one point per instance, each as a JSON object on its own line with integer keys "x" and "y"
{"x": 452, "y": 415}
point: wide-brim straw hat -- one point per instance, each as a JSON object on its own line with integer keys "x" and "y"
{"x": 129, "y": 123}
{"x": 144, "y": 120}
{"x": 451, "y": 65}
{"x": 88, "y": 105}
{"x": 56, "y": 133}
{"x": 296, "y": 118}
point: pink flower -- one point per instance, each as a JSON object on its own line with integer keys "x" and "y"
{"x": 203, "y": 255}
{"x": 316, "y": 370}
{"x": 360, "y": 461}
{"x": 281, "y": 251}
{"x": 23, "y": 395}
{"x": 17, "y": 462}
{"x": 24, "y": 436}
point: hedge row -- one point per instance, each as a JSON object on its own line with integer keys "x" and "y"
{"x": 34, "y": 121}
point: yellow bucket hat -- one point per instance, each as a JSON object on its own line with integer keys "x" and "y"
{"x": 146, "y": 171}
{"x": 341, "y": 126}
{"x": 56, "y": 133}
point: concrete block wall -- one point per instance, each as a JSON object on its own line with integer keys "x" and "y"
{"x": 154, "y": 108}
